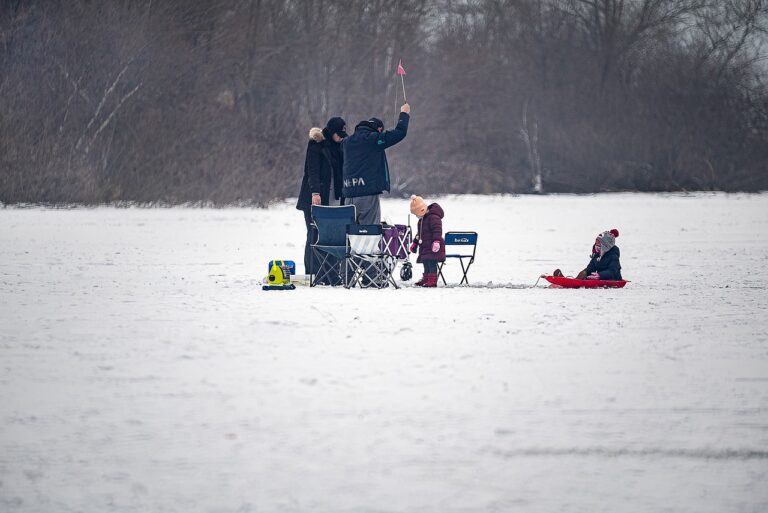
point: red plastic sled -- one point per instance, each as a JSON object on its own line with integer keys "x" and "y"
{"x": 572, "y": 283}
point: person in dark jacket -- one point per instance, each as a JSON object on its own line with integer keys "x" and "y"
{"x": 429, "y": 239}
{"x": 322, "y": 181}
{"x": 366, "y": 171}
{"x": 604, "y": 262}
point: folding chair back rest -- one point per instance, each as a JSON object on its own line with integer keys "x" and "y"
{"x": 364, "y": 239}
{"x": 332, "y": 223}
{"x": 461, "y": 239}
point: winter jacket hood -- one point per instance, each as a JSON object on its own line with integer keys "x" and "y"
{"x": 316, "y": 134}
{"x": 435, "y": 210}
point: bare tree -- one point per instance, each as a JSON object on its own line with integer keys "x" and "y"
{"x": 186, "y": 100}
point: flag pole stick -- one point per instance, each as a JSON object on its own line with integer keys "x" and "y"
{"x": 395, "y": 120}
{"x": 403, "y": 82}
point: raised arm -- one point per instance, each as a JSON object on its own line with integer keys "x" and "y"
{"x": 391, "y": 137}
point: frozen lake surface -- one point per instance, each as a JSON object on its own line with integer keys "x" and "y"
{"x": 142, "y": 369}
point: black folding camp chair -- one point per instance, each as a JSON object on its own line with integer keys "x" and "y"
{"x": 463, "y": 240}
{"x": 330, "y": 249}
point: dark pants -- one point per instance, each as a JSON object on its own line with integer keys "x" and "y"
{"x": 430, "y": 266}
{"x": 310, "y": 262}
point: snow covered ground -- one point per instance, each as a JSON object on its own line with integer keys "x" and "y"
{"x": 142, "y": 369}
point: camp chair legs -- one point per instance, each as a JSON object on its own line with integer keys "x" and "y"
{"x": 328, "y": 272}
{"x": 370, "y": 271}
{"x": 464, "y": 271}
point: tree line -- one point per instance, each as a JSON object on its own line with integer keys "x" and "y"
{"x": 192, "y": 100}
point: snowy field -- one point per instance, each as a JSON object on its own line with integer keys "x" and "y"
{"x": 142, "y": 369}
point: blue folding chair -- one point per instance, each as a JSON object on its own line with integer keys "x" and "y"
{"x": 330, "y": 249}
{"x": 463, "y": 240}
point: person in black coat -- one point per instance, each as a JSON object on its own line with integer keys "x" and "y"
{"x": 604, "y": 262}
{"x": 322, "y": 180}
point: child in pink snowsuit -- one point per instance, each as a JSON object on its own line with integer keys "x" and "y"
{"x": 429, "y": 239}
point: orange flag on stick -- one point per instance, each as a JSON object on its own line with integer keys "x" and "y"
{"x": 401, "y": 72}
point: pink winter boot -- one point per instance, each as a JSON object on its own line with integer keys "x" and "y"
{"x": 430, "y": 280}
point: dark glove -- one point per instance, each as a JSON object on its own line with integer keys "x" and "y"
{"x": 414, "y": 246}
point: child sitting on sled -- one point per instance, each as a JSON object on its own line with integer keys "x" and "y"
{"x": 429, "y": 239}
{"x": 604, "y": 261}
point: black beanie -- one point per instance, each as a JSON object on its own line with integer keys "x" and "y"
{"x": 335, "y": 126}
{"x": 373, "y": 123}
